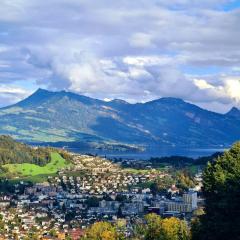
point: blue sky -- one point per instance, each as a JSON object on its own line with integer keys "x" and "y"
{"x": 136, "y": 50}
{"x": 231, "y": 5}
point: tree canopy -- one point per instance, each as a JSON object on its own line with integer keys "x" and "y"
{"x": 153, "y": 228}
{"x": 172, "y": 228}
{"x": 101, "y": 231}
{"x": 221, "y": 188}
{"x": 12, "y": 151}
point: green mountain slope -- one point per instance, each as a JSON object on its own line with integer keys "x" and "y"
{"x": 67, "y": 117}
{"x": 18, "y": 160}
{"x": 16, "y": 152}
{"x": 27, "y": 169}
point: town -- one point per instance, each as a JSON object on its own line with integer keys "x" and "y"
{"x": 91, "y": 189}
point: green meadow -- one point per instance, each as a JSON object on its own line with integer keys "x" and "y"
{"x": 26, "y": 169}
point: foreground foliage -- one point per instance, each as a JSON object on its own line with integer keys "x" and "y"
{"x": 153, "y": 228}
{"x": 221, "y": 182}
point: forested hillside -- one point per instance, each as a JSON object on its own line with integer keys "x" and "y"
{"x": 16, "y": 152}
{"x": 68, "y": 118}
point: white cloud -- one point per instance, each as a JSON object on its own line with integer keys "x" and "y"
{"x": 12, "y": 90}
{"x": 141, "y": 40}
{"x": 148, "y": 60}
{"x": 10, "y": 94}
{"x": 136, "y": 50}
{"x": 232, "y": 86}
{"x": 202, "y": 84}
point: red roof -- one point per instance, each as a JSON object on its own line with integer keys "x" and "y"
{"x": 75, "y": 234}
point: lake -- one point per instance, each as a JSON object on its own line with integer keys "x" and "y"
{"x": 151, "y": 152}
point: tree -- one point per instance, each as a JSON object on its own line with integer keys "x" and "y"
{"x": 221, "y": 188}
{"x": 174, "y": 229}
{"x": 92, "y": 202}
{"x": 160, "y": 185}
{"x": 153, "y": 226}
{"x": 12, "y": 151}
{"x": 101, "y": 231}
{"x": 184, "y": 180}
{"x": 165, "y": 229}
{"x": 154, "y": 188}
{"x": 53, "y": 233}
{"x": 139, "y": 231}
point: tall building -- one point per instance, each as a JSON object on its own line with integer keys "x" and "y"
{"x": 187, "y": 203}
{"x": 174, "y": 206}
{"x": 190, "y": 198}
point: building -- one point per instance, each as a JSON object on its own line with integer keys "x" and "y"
{"x": 190, "y": 198}
{"x": 178, "y": 206}
{"x": 186, "y": 204}
{"x": 133, "y": 208}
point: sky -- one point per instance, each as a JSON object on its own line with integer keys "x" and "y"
{"x": 136, "y": 50}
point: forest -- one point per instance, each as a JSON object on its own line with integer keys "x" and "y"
{"x": 12, "y": 151}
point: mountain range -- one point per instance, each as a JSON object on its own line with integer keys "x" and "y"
{"x": 51, "y": 117}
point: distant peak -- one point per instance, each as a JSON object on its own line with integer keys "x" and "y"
{"x": 119, "y": 101}
{"x": 234, "y": 112}
{"x": 41, "y": 90}
{"x": 37, "y": 97}
{"x": 171, "y": 100}
{"x": 234, "y": 109}
{"x": 44, "y": 92}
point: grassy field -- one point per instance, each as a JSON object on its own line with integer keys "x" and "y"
{"x": 27, "y": 169}
{"x": 141, "y": 171}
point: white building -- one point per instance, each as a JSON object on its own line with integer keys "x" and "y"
{"x": 190, "y": 198}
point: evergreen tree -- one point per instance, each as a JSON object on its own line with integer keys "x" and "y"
{"x": 221, "y": 181}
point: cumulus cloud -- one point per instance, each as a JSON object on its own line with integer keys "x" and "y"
{"x": 232, "y": 86}
{"x": 141, "y": 40}
{"x": 136, "y": 50}
{"x": 10, "y": 94}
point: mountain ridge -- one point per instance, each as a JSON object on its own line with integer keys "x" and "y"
{"x": 47, "y": 116}
{"x": 115, "y": 100}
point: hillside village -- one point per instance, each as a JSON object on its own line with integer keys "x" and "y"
{"x": 90, "y": 190}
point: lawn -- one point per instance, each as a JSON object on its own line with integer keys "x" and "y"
{"x": 27, "y": 169}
